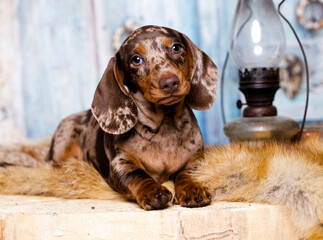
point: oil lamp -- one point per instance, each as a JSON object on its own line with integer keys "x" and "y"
{"x": 256, "y": 45}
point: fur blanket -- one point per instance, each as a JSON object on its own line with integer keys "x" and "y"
{"x": 290, "y": 175}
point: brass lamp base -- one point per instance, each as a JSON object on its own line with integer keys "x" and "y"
{"x": 261, "y": 128}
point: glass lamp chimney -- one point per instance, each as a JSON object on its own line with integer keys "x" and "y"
{"x": 257, "y": 38}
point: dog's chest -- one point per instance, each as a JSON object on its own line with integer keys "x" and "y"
{"x": 166, "y": 152}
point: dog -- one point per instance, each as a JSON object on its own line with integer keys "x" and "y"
{"x": 133, "y": 142}
{"x": 141, "y": 130}
{"x": 278, "y": 173}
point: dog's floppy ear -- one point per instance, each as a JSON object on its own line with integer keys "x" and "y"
{"x": 112, "y": 107}
{"x": 203, "y": 76}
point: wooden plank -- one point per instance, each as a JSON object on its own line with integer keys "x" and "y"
{"x": 294, "y": 108}
{"x": 42, "y": 218}
{"x": 65, "y": 46}
{"x": 312, "y": 42}
{"x": 58, "y": 61}
{"x": 213, "y": 32}
{"x": 11, "y": 117}
{"x": 231, "y": 91}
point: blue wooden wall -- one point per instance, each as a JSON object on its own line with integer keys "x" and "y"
{"x": 64, "y": 46}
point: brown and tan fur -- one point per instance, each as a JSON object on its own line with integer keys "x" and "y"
{"x": 284, "y": 174}
{"x": 141, "y": 130}
{"x": 149, "y": 142}
{"x": 290, "y": 175}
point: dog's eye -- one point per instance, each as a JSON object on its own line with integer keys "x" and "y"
{"x": 136, "y": 60}
{"x": 177, "y": 48}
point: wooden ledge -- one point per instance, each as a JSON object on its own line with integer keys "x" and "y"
{"x": 40, "y": 218}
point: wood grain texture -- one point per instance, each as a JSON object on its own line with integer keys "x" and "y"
{"x": 49, "y": 218}
{"x": 313, "y": 45}
{"x": 11, "y": 118}
{"x": 57, "y": 51}
{"x": 214, "y": 19}
{"x": 58, "y": 56}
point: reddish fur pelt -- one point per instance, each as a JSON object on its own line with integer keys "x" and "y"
{"x": 290, "y": 175}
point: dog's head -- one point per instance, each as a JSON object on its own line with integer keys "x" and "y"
{"x": 163, "y": 65}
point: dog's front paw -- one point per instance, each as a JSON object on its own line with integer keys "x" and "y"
{"x": 153, "y": 196}
{"x": 192, "y": 195}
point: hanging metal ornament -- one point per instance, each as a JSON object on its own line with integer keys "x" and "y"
{"x": 123, "y": 31}
{"x": 291, "y": 74}
{"x": 314, "y": 22}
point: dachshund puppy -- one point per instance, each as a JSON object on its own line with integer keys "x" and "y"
{"x": 141, "y": 130}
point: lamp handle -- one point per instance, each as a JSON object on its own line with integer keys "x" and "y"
{"x": 306, "y": 69}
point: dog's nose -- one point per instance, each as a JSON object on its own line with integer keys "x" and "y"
{"x": 169, "y": 85}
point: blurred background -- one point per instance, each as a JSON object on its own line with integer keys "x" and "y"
{"x": 53, "y": 54}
